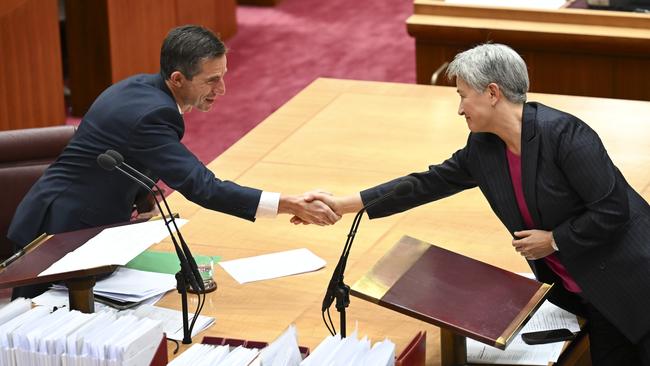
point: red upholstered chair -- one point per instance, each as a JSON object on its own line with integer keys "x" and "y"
{"x": 24, "y": 155}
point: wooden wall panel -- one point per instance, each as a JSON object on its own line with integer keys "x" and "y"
{"x": 109, "y": 40}
{"x": 136, "y": 30}
{"x": 31, "y": 90}
{"x": 219, "y": 16}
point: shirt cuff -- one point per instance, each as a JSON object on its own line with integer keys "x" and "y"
{"x": 268, "y": 206}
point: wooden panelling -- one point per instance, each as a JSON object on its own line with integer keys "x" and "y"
{"x": 31, "y": 90}
{"x": 219, "y": 16}
{"x": 136, "y": 30}
{"x": 568, "y": 51}
{"x": 109, "y": 40}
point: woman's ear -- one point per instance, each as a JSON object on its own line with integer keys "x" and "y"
{"x": 495, "y": 93}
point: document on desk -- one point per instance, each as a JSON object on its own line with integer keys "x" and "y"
{"x": 528, "y": 4}
{"x": 131, "y": 285}
{"x": 547, "y": 317}
{"x": 113, "y": 246}
{"x": 274, "y": 265}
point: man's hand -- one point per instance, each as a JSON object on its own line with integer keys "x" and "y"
{"x": 533, "y": 244}
{"x": 339, "y": 205}
{"x": 307, "y": 211}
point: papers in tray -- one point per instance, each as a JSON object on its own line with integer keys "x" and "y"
{"x": 172, "y": 320}
{"x": 351, "y": 351}
{"x": 131, "y": 285}
{"x": 547, "y": 317}
{"x": 113, "y": 246}
{"x": 38, "y": 337}
{"x": 267, "y": 266}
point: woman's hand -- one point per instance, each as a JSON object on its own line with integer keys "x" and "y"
{"x": 533, "y": 244}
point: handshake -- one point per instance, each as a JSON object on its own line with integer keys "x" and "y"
{"x": 318, "y": 207}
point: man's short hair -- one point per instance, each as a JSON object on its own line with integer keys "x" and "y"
{"x": 185, "y": 47}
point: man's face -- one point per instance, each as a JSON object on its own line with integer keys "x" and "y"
{"x": 474, "y": 106}
{"x": 204, "y": 88}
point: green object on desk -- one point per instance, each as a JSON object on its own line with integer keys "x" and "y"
{"x": 161, "y": 262}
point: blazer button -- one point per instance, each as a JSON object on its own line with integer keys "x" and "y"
{"x": 602, "y": 266}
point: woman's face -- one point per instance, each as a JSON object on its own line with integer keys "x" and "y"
{"x": 477, "y": 108}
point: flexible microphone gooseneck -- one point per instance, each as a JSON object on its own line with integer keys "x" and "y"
{"x": 189, "y": 272}
{"x": 119, "y": 159}
{"x": 337, "y": 289}
{"x": 107, "y": 162}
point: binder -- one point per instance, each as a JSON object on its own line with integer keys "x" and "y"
{"x": 462, "y": 296}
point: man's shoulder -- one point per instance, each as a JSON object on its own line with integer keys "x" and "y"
{"x": 139, "y": 94}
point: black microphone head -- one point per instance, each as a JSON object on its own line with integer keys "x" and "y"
{"x": 106, "y": 162}
{"x": 115, "y": 155}
{"x": 404, "y": 187}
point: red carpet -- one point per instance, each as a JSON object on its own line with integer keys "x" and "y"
{"x": 279, "y": 50}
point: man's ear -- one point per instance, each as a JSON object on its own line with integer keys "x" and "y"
{"x": 495, "y": 93}
{"x": 177, "y": 78}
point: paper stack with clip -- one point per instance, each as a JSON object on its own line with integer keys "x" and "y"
{"x": 40, "y": 337}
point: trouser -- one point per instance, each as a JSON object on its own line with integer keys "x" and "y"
{"x": 609, "y": 347}
{"x": 29, "y": 291}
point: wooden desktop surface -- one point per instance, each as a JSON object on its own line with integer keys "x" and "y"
{"x": 345, "y": 136}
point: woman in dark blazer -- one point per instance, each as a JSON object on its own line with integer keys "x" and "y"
{"x": 549, "y": 179}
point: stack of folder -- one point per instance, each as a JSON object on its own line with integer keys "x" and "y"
{"x": 37, "y": 336}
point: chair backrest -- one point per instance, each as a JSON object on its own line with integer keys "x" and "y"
{"x": 24, "y": 155}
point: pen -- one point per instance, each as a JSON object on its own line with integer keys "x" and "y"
{"x": 22, "y": 251}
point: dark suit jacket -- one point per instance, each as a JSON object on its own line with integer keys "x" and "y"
{"x": 600, "y": 224}
{"x": 139, "y": 118}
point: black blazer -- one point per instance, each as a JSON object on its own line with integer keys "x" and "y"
{"x": 139, "y": 118}
{"x": 600, "y": 224}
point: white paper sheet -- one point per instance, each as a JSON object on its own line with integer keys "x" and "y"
{"x": 274, "y": 265}
{"x": 547, "y": 317}
{"x": 113, "y": 246}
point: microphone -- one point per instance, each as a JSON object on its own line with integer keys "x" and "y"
{"x": 336, "y": 288}
{"x": 112, "y": 160}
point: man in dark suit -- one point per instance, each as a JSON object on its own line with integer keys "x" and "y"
{"x": 547, "y": 176}
{"x": 142, "y": 118}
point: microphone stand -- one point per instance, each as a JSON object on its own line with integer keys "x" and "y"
{"x": 188, "y": 273}
{"x": 185, "y": 273}
{"x": 337, "y": 289}
{"x": 342, "y": 291}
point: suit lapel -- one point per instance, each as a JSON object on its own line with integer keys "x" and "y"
{"x": 529, "y": 155}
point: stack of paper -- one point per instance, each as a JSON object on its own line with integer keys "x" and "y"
{"x": 131, "y": 285}
{"x": 352, "y": 352}
{"x": 208, "y": 355}
{"x": 172, "y": 320}
{"x": 113, "y": 246}
{"x": 38, "y": 337}
{"x": 547, "y": 317}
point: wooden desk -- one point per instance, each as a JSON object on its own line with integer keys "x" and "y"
{"x": 568, "y": 51}
{"x": 345, "y": 136}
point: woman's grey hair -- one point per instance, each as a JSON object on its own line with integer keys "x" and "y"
{"x": 492, "y": 63}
